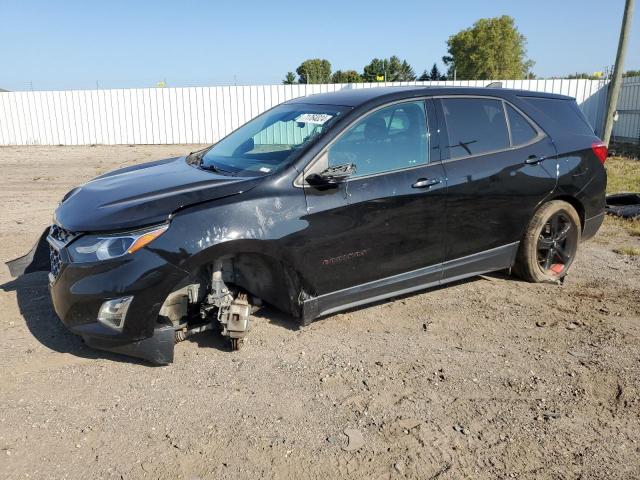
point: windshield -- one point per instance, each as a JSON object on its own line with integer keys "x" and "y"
{"x": 271, "y": 140}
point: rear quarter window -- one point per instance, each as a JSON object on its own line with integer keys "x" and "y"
{"x": 565, "y": 112}
{"x": 521, "y": 130}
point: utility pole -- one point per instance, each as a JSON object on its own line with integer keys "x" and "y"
{"x": 614, "y": 86}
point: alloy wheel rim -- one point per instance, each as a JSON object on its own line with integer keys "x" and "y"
{"x": 555, "y": 246}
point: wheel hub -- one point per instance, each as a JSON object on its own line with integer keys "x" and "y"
{"x": 555, "y": 244}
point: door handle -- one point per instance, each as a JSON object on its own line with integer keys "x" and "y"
{"x": 426, "y": 182}
{"x": 534, "y": 160}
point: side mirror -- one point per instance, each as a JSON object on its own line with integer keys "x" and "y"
{"x": 332, "y": 176}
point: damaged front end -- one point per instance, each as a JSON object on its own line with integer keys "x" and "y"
{"x": 135, "y": 264}
{"x": 37, "y": 260}
{"x": 110, "y": 303}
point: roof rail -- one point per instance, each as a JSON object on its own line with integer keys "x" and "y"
{"x": 494, "y": 85}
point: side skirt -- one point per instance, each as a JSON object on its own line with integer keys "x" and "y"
{"x": 498, "y": 258}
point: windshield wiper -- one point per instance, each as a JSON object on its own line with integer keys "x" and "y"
{"x": 212, "y": 167}
{"x": 196, "y": 157}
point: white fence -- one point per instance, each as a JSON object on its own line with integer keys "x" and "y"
{"x": 627, "y": 128}
{"x": 196, "y": 114}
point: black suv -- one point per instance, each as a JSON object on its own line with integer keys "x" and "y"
{"x": 320, "y": 204}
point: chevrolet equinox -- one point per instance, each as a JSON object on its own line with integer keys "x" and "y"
{"x": 320, "y": 204}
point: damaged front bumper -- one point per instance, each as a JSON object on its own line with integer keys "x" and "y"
{"x": 78, "y": 291}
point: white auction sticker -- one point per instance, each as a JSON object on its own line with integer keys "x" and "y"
{"x": 316, "y": 118}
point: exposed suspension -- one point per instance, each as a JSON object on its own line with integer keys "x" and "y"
{"x": 222, "y": 305}
{"x": 233, "y": 308}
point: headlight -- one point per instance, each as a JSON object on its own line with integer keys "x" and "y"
{"x": 92, "y": 248}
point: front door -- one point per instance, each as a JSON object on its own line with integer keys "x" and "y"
{"x": 387, "y": 219}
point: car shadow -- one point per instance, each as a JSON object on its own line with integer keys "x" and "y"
{"x": 266, "y": 313}
{"x": 276, "y": 317}
{"x": 34, "y": 302}
{"x": 35, "y": 306}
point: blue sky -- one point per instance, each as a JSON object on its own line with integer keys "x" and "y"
{"x": 74, "y": 44}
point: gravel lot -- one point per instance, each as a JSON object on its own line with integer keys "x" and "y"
{"x": 488, "y": 378}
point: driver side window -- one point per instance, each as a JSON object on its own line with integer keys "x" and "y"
{"x": 389, "y": 139}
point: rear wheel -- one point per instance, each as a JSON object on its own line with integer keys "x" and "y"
{"x": 550, "y": 243}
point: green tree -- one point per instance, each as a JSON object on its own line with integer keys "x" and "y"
{"x": 586, "y": 76}
{"x": 631, "y": 73}
{"x": 435, "y": 73}
{"x": 392, "y": 69}
{"x": 405, "y": 72}
{"x": 289, "y": 79}
{"x": 314, "y": 70}
{"x": 492, "y": 48}
{"x": 346, "y": 76}
{"x": 374, "y": 71}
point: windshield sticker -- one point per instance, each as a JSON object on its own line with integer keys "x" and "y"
{"x": 265, "y": 169}
{"x": 315, "y": 118}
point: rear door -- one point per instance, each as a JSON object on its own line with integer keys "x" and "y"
{"x": 499, "y": 167}
{"x": 387, "y": 219}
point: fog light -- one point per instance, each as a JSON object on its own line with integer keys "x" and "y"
{"x": 112, "y": 312}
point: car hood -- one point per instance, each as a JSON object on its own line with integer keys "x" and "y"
{"x": 143, "y": 195}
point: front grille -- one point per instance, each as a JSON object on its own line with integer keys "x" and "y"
{"x": 61, "y": 235}
{"x": 58, "y": 238}
{"x": 54, "y": 257}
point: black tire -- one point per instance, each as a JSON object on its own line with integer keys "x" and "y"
{"x": 550, "y": 243}
{"x": 625, "y": 205}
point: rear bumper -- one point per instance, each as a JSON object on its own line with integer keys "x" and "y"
{"x": 591, "y": 226}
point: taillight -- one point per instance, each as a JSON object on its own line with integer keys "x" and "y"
{"x": 601, "y": 150}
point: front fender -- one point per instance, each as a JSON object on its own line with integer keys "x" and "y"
{"x": 37, "y": 260}
{"x": 265, "y": 234}
{"x": 272, "y": 224}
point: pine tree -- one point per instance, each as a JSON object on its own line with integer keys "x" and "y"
{"x": 289, "y": 79}
{"x": 435, "y": 73}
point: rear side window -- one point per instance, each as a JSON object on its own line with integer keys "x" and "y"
{"x": 475, "y": 126}
{"x": 565, "y": 112}
{"x": 521, "y": 130}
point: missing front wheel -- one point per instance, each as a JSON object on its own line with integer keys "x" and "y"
{"x": 217, "y": 304}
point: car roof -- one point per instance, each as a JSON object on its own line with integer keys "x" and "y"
{"x": 355, "y": 97}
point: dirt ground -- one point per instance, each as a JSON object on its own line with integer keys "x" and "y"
{"x": 488, "y": 378}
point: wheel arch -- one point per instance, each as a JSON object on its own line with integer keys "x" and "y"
{"x": 263, "y": 274}
{"x": 269, "y": 278}
{"x": 575, "y": 203}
